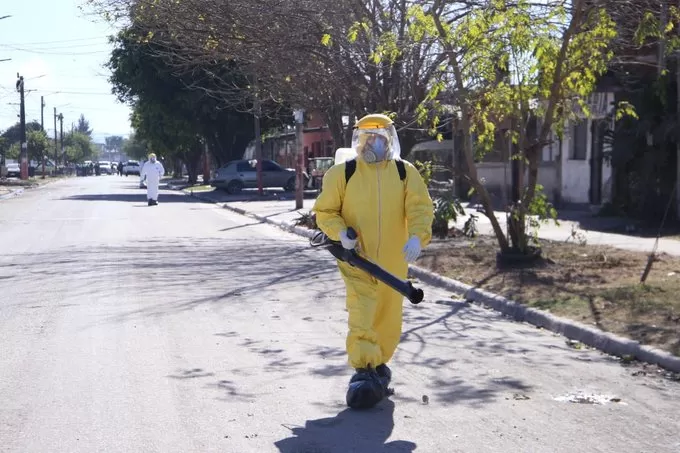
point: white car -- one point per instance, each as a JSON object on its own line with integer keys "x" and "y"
{"x": 13, "y": 171}
{"x": 105, "y": 166}
{"x": 131, "y": 167}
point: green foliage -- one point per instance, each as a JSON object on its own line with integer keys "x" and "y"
{"x": 511, "y": 64}
{"x": 114, "y": 142}
{"x": 4, "y": 145}
{"x": 83, "y": 126}
{"x": 446, "y": 209}
{"x": 425, "y": 169}
{"x": 37, "y": 144}
{"x": 540, "y": 211}
{"x": 470, "y": 227}
{"x": 168, "y": 117}
{"x": 78, "y": 147}
{"x": 13, "y": 151}
{"x": 13, "y": 133}
{"x": 135, "y": 148}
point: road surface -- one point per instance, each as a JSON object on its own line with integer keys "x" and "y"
{"x": 186, "y": 328}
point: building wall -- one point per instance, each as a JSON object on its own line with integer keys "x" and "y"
{"x": 576, "y": 174}
{"x": 497, "y": 177}
{"x": 282, "y": 149}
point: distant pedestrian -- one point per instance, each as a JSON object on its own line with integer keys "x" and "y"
{"x": 152, "y": 171}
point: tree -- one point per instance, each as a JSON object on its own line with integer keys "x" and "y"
{"x": 37, "y": 144}
{"x": 4, "y": 147}
{"x": 114, "y": 142}
{"x": 174, "y": 120}
{"x": 11, "y": 138}
{"x": 354, "y": 57}
{"x": 530, "y": 65}
{"x": 135, "y": 148}
{"x": 83, "y": 126}
{"x": 13, "y": 133}
{"x": 78, "y": 147}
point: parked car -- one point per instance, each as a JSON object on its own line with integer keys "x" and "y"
{"x": 105, "y": 167}
{"x": 241, "y": 174}
{"x": 13, "y": 171}
{"x": 131, "y": 167}
{"x": 318, "y": 166}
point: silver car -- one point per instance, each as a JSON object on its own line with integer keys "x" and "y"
{"x": 240, "y": 174}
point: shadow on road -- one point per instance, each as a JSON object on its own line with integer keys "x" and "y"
{"x": 131, "y": 198}
{"x": 348, "y": 431}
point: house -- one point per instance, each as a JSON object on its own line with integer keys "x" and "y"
{"x": 281, "y": 147}
{"x": 573, "y": 171}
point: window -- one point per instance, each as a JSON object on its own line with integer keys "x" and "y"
{"x": 499, "y": 153}
{"x": 268, "y": 165}
{"x": 579, "y": 140}
{"x": 244, "y": 167}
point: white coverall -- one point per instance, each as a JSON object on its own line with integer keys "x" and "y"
{"x": 153, "y": 172}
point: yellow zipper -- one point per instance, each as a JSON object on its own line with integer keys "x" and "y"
{"x": 377, "y": 253}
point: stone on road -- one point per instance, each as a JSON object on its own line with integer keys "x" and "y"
{"x": 186, "y": 328}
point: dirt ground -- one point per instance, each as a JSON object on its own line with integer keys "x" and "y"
{"x": 596, "y": 285}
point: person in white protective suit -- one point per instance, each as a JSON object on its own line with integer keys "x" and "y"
{"x": 152, "y": 172}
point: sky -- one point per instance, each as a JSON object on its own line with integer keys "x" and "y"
{"x": 60, "y": 50}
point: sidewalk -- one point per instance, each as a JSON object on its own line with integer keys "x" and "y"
{"x": 15, "y": 188}
{"x": 284, "y": 210}
{"x": 283, "y": 213}
{"x": 9, "y": 192}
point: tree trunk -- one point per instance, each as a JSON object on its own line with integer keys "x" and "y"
{"x": 177, "y": 168}
{"x": 334, "y": 121}
{"x": 467, "y": 144}
{"x": 407, "y": 139}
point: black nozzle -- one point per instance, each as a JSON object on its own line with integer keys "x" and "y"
{"x": 351, "y": 234}
{"x": 416, "y": 295}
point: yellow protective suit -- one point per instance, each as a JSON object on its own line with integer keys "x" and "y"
{"x": 385, "y": 211}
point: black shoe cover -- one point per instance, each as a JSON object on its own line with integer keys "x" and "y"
{"x": 365, "y": 389}
{"x": 385, "y": 375}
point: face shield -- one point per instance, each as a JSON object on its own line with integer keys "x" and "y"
{"x": 376, "y": 145}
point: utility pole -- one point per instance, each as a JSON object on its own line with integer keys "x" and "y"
{"x": 22, "y": 121}
{"x": 61, "y": 121}
{"x": 299, "y": 134}
{"x": 42, "y": 126}
{"x": 42, "y": 112}
{"x": 56, "y": 150}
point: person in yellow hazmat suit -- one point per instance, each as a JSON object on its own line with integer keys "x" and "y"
{"x": 385, "y": 200}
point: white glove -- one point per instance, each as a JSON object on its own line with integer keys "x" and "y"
{"x": 347, "y": 243}
{"x": 412, "y": 249}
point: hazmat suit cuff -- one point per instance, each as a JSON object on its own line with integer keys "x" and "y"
{"x": 423, "y": 238}
{"x": 334, "y": 233}
{"x": 330, "y": 227}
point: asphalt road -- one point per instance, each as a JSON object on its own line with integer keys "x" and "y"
{"x": 186, "y": 328}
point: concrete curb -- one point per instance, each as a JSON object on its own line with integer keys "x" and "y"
{"x": 12, "y": 194}
{"x": 603, "y": 341}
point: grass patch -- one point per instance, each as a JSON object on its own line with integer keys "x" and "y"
{"x": 596, "y": 285}
{"x": 202, "y": 188}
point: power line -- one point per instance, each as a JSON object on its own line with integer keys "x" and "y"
{"x": 42, "y": 48}
{"x": 17, "y": 49}
{"x": 83, "y": 93}
{"x": 55, "y": 42}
